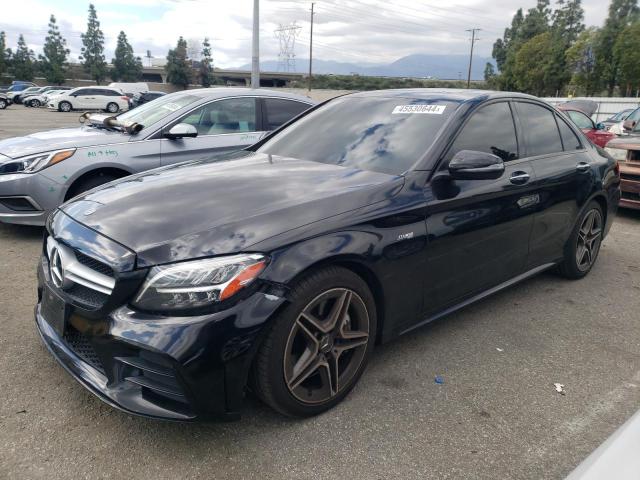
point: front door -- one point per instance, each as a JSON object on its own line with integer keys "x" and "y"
{"x": 478, "y": 230}
{"x": 223, "y": 126}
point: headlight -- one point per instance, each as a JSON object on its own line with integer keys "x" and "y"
{"x": 34, "y": 163}
{"x": 617, "y": 153}
{"x": 198, "y": 283}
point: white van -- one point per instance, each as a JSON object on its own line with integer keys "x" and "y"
{"x": 130, "y": 89}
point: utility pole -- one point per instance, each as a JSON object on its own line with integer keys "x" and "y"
{"x": 255, "y": 50}
{"x": 473, "y": 41}
{"x": 311, "y": 46}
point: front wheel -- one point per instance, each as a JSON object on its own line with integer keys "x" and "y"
{"x": 112, "y": 107}
{"x": 3, "y": 104}
{"x": 318, "y": 346}
{"x": 583, "y": 246}
{"x": 64, "y": 107}
{"x": 34, "y": 103}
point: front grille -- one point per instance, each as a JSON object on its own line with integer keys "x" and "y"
{"x": 631, "y": 196}
{"x": 83, "y": 348}
{"x": 17, "y": 204}
{"x": 87, "y": 296}
{"x": 630, "y": 176}
{"x": 94, "y": 264}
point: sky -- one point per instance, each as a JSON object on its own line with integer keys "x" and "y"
{"x": 355, "y": 31}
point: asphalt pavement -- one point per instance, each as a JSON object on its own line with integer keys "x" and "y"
{"x": 497, "y": 413}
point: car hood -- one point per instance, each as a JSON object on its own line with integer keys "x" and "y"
{"x": 58, "y": 139}
{"x": 214, "y": 207}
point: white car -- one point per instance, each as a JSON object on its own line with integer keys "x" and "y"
{"x": 90, "y": 98}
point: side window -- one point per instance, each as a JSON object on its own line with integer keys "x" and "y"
{"x": 580, "y": 119}
{"x": 280, "y": 111}
{"x": 234, "y": 115}
{"x": 83, "y": 91}
{"x": 491, "y": 130}
{"x": 541, "y": 133}
{"x": 569, "y": 139}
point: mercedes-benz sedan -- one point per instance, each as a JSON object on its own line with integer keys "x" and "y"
{"x": 168, "y": 293}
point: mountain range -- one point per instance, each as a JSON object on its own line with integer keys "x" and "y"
{"x": 416, "y": 65}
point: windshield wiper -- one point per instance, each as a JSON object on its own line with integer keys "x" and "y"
{"x": 109, "y": 121}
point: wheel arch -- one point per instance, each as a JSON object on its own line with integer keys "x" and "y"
{"x": 111, "y": 171}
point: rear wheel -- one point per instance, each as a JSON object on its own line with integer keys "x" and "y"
{"x": 34, "y": 103}
{"x": 3, "y": 104}
{"x": 64, "y": 107}
{"x": 581, "y": 251}
{"x": 89, "y": 183}
{"x": 112, "y": 107}
{"x": 318, "y": 346}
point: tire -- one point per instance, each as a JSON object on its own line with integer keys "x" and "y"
{"x": 3, "y": 104}
{"x": 34, "y": 103}
{"x": 64, "y": 107}
{"x": 582, "y": 248}
{"x": 112, "y": 107}
{"x": 329, "y": 360}
{"x": 89, "y": 183}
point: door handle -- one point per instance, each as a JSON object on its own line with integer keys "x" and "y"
{"x": 519, "y": 178}
{"x": 583, "y": 167}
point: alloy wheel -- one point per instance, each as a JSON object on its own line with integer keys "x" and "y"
{"x": 65, "y": 107}
{"x": 112, "y": 108}
{"x": 326, "y": 346}
{"x": 589, "y": 239}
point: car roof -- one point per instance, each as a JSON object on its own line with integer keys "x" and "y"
{"x": 220, "y": 92}
{"x": 445, "y": 94}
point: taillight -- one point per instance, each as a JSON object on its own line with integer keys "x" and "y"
{"x": 125, "y": 98}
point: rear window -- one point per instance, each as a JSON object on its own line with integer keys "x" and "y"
{"x": 378, "y": 134}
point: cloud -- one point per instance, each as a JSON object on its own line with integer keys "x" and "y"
{"x": 356, "y": 31}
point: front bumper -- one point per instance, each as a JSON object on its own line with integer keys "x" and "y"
{"x": 173, "y": 368}
{"x": 40, "y": 194}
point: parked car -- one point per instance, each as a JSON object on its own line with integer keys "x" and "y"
{"x": 144, "y": 97}
{"x": 16, "y": 92}
{"x": 627, "y": 151}
{"x": 40, "y": 171}
{"x": 631, "y": 121}
{"x": 39, "y": 98}
{"x": 596, "y": 133}
{"x": 130, "y": 88}
{"x": 165, "y": 293}
{"x": 90, "y": 98}
{"x": 4, "y": 101}
{"x": 617, "y": 118}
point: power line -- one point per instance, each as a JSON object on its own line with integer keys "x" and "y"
{"x": 286, "y": 35}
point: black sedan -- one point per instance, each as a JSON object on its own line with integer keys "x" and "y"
{"x": 278, "y": 268}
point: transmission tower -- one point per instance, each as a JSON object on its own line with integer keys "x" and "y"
{"x": 286, "y": 35}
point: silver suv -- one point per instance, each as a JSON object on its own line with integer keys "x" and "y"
{"x": 41, "y": 171}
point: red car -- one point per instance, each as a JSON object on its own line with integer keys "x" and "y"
{"x": 580, "y": 114}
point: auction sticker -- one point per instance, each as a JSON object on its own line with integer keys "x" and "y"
{"x": 430, "y": 109}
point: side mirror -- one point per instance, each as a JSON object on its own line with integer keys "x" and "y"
{"x": 472, "y": 165}
{"x": 181, "y": 130}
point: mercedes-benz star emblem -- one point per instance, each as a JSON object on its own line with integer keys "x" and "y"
{"x": 56, "y": 268}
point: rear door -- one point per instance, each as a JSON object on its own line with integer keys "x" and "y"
{"x": 563, "y": 176}
{"x": 223, "y": 126}
{"x": 84, "y": 98}
{"x": 479, "y": 229}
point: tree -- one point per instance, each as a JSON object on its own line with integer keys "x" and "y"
{"x": 126, "y": 66}
{"x": 621, "y": 14}
{"x": 206, "y": 64}
{"x": 4, "y": 55}
{"x": 580, "y": 61}
{"x": 53, "y": 63}
{"x": 627, "y": 50}
{"x": 23, "y": 61}
{"x": 178, "y": 66}
{"x": 565, "y": 28}
{"x": 92, "y": 57}
{"x": 530, "y": 67}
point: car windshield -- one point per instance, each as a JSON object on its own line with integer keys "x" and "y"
{"x": 157, "y": 109}
{"x": 378, "y": 134}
